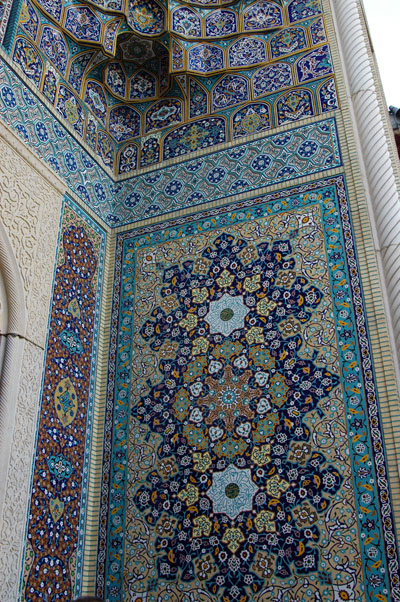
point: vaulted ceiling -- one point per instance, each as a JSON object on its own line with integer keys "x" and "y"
{"x": 141, "y": 81}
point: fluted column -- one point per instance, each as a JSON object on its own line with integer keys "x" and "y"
{"x": 380, "y": 177}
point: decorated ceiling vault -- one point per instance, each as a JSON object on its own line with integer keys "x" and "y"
{"x": 139, "y": 81}
{"x": 207, "y": 409}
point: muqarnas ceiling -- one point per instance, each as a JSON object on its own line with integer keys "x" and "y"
{"x": 141, "y": 81}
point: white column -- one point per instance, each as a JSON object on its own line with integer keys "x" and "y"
{"x": 381, "y": 184}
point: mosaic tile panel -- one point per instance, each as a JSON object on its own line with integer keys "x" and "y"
{"x": 278, "y": 158}
{"x": 243, "y": 438}
{"x": 53, "y": 551}
{"x": 50, "y": 140}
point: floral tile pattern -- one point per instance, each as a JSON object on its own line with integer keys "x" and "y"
{"x": 241, "y": 448}
{"x": 242, "y": 436}
{"x": 277, "y": 158}
{"x": 53, "y": 548}
{"x": 50, "y": 140}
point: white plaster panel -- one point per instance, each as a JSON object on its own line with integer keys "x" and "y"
{"x": 29, "y": 210}
{"x": 12, "y": 528}
{"x": 30, "y": 204}
{"x": 11, "y": 355}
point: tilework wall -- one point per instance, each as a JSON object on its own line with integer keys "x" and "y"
{"x": 243, "y": 439}
{"x": 57, "y": 510}
{"x": 243, "y": 449}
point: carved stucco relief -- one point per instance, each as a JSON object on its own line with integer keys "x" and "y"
{"x": 29, "y": 210}
{"x": 18, "y": 475}
{"x": 30, "y": 205}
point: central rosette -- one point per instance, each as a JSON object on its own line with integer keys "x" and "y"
{"x": 226, "y": 314}
{"x": 229, "y": 397}
{"x": 228, "y": 408}
{"x": 232, "y": 491}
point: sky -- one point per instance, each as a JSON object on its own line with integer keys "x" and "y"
{"x": 383, "y": 18}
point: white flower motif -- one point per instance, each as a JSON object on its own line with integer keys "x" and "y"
{"x": 232, "y": 491}
{"x": 226, "y": 314}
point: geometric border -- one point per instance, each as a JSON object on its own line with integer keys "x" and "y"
{"x": 91, "y": 394}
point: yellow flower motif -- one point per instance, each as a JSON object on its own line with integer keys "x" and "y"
{"x": 299, "y": 452}
{"x": 189, "y": 495}
{"x": 73, "y": 308}
{"x": 251, "y": 122}
{"x": 71, "y": 111}
{"x": 66, "y": 401}
{"x": 200, "y": 345}
{"x": 275, "y": 486}
{"x": 306, "y": 515}
{"x": 265, "y": 306}
{"x": 233, "y": 538}
{"x": 182, "y": 404}
{"x": 202, "y": 462}
{"x": 168, "y": 349}
{"x": 169, "y": 303}
{"x": 278, "y": 389}
{"x": 255, "y": 335}
{"x": 260, "y": 455}
{"x": 202, "y": 526}
{"x": 265, "y": 428}
{"x": 24, "y": 14}
{"x": 248, "y": 254}
{"x": 166, "y": 525}
{"x": 252, "y": 284}
{"x": 56, "y": 508}
{"x": 194, "y": 137}
{"x": 189, "y": 322}
{"x": 285, "y": 278}
{"x": 201, "y": 265}
{"x": 264, "y": 522}
{"x": 290, "y": 327}
{"x": 199, "y": 295}
{"x": 167, "y": 468}
{"x": 143, "y": 16}
{"x": 205, "y": 568}
{"x": 225, "y": 279}
{"x": 264, "y": 565}
{"x": 195, "y": 437}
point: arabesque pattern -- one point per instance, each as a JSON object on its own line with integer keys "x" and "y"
{"x": 243, "y": 450}
{"x": 303, "y": 150}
